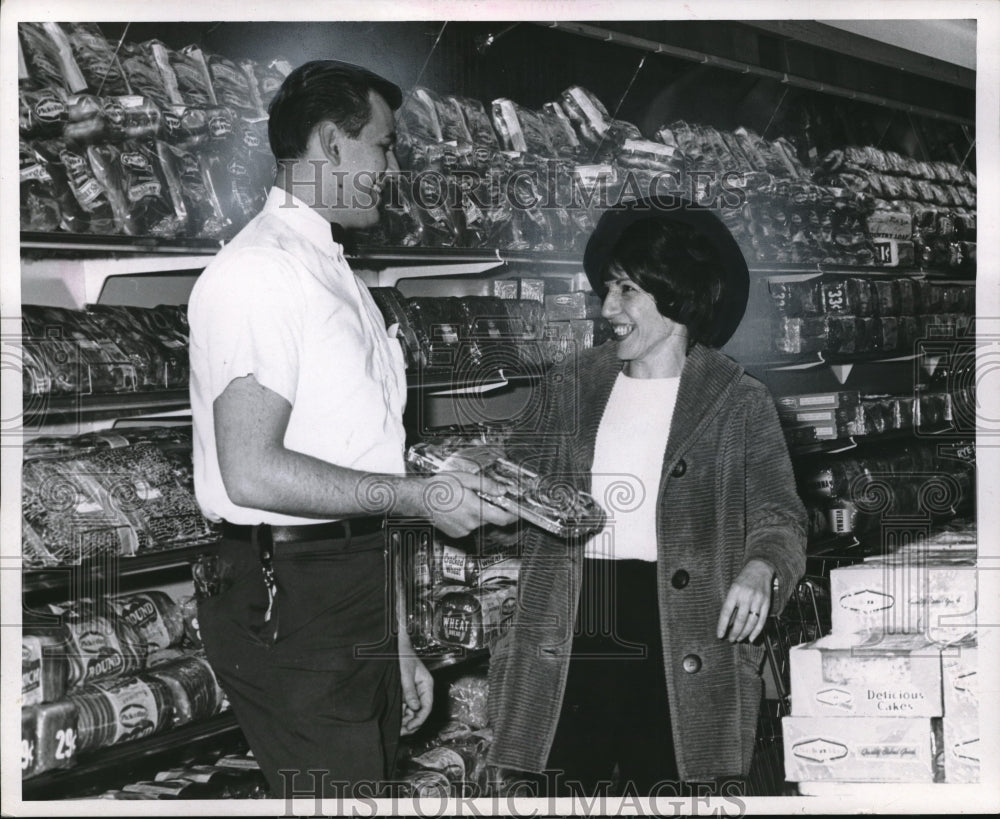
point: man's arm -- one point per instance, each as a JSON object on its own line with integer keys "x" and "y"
{"x": 260, "y": 473}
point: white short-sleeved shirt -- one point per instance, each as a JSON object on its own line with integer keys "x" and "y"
{"x": 280, "y": 302}
{"x": 628, "y": 463}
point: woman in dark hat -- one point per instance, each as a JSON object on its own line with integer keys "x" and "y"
{"x": 635, "y": 654}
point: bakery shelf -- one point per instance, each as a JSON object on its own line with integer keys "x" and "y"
{"x": 806, "y": 361}
{"x": 101, "y": 769}
{"x": 89, "y": 243}
{"x": 42, "y": 245}
{"x": 54, "y": 578}
{"x": 455, "y": 657}
{"x": 39, "y": 410}
{"x": 839, "y": 445}
{"x": 444, "y": 382}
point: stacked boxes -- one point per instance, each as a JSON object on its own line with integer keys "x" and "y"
{"x": 960, "y": 666}
{"x": 933, "y": 593}
{"x": 890, "y": 694}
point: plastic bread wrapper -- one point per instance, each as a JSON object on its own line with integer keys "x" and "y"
{"x": 557, "y": 508}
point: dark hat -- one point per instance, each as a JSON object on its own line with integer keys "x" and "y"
{"x": 735, "y": 276}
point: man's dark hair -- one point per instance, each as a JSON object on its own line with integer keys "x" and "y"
{"x": 677, "y": 266}
{"x": 323, "y": 90}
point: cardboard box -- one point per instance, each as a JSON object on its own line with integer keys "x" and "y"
{"x": 827, "y": 423}
{"x": 906, "y": 594}
{"x": 505, "y": 288}
{"x": 531, "y": 289}
{"x": 858, "y": 749}
{"x": 890, "y": 225}
{"x": 960, "y": 681}
{"x": 892, "y": 675}
{"x": 566, "y": 306}
{"x": 817, "y": 401}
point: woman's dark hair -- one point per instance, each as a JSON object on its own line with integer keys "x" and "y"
{"x": 679, "y": 267}
{"x": 323, "y": 90}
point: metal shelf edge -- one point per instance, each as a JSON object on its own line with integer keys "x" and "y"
{"x": 51, "y": 578}
{"x": 129, "y": 752}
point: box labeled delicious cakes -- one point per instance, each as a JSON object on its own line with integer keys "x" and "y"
{"x": 891, "y": 675}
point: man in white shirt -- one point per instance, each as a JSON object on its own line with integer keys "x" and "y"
{"x": 297, "y": 395}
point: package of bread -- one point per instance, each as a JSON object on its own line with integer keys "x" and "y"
{"x": 231, "y": 85}
{"x": 139, "y": 62}
{"x": 475, "y": 617}
{"x": 268, "y": 77}
{"x": 136, "y": 188}
{"x": 587, "y": 113}
{"x": 43, "y": 112}
{"x": 185, "y": 177}
{"x": 194, "y": 691}
{"x": 89, "y": 210}
{"x": 114, "y": 711}
{"x": 101, "y": 645}
{"x": 39, "y": 195}
{"x": 49, "y": 737}
{"x": 194, "y": 81}
{"x": 417, "y": 117}
{"x": 49, "y": 56}
{"x": 45, "y": 665}
{"x": 155, "y": 615}
{"x": 467, "y": 697}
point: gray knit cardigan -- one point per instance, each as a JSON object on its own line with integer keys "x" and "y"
{"x": 726, "y": 495}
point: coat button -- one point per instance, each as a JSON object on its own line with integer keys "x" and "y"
{"x": 679, "y": 468}
{"x": 691, "y": 663}
{"x": 680, "y": 579}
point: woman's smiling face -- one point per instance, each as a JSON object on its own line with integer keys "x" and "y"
{"x": 644, "y": 335}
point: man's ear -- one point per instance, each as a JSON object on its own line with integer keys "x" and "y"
{"x": 329, "y": 137}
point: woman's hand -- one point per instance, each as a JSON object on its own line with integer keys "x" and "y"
{"x": 747, "y": 604}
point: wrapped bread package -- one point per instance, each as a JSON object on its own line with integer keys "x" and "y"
{"x": 49, "y": 737}
{"x": 102, "y": 646}
{"x": 154, "y": 615}
{"x": 467, "y": 696}
{"x": 194, "y": 691}
{"x": 45, "y": 666}
{"x": 113, "y": 711}
{"x": 552, "y": 505}
{"x": 474, "y": 617}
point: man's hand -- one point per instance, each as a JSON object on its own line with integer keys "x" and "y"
{"x": 418, "y": 689}
{"x": 453, "y": 503}
{"x": 748, "y": 603}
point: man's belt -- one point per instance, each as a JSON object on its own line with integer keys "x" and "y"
{"x": 336, "y": 530}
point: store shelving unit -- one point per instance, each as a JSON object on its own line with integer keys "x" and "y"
{"x": 80, "y": 265}
{"x": 99, "y": 770}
